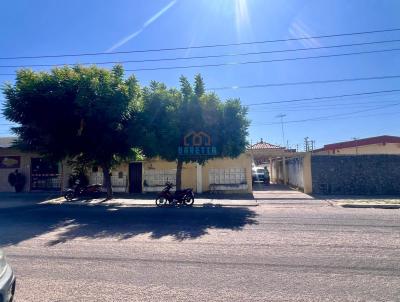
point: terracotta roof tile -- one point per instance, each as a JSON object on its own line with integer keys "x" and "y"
{"x": 362, "y": 142}
{"x": 265, "y": 145}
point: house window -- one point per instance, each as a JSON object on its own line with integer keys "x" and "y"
{"x": 154, "y": 178}
{"x": 227, "y": 176}
{"x": 120, "y": 174}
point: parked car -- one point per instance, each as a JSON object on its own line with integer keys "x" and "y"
{"x": 7, "y": 280}
{"x": 260, "y": 174}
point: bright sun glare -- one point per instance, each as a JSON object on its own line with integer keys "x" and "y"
{"x": 238, "y": 9}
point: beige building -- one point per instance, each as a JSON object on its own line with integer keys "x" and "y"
{"x": 40, "y": 174}
{"x": 384, "y": 144}
{"x": 216, "y": 175}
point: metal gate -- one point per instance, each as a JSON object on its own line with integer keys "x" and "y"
{"x": 45, "y": 175}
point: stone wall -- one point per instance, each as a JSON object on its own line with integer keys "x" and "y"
{"x": 356, "y": 174}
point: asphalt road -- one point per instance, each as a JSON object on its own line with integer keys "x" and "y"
{"x": 273, "y": 252}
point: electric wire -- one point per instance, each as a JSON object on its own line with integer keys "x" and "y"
{"x": 324, "y": 97}
{"x": 202, "y": 57}
{"x": 327, "y": 116}
{"x": 202, "y": 46}
{"x": 385, "y": 77}
{"x": 261, "y": 61}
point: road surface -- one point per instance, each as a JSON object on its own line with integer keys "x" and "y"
{"x": 289, "y": 251}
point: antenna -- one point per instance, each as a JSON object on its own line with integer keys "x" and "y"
{"x": 281, "y": 116}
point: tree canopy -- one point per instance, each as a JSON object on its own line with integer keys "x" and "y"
{"x": 170, "y": 115}
{"x": 75, "y": 112}
{"x": 97, "y": 117}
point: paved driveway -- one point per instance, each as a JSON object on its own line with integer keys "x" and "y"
{"x": 280, "y": 195}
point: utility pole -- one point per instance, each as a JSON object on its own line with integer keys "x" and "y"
{"x": 281, "y": 116}
{"x": 356, "y": 142}
{"x": 306, "y": 144}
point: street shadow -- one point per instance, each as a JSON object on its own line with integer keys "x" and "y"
{"x": 101, "y": 221}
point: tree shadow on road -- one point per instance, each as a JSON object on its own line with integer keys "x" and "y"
{"x": 100, "y": 221}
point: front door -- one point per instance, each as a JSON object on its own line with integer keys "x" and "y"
{"x": 135, "y": 178}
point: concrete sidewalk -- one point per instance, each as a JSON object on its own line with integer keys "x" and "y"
{"x": 376, "y": 202}
{"x": 134, "y": 202}
{"x": 271, "y": 195}
{"x": 13, "y": 200}
{"x": 276, "y": 194}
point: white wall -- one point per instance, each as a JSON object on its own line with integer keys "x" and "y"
{"x": 295, "y": 172}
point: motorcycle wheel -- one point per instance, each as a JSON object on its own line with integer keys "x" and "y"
{"x": 69, "y": 196}
{"x": 189, "y": 201}
{"x": 161, "y": 201}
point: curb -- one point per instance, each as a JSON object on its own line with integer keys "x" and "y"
{"x": 371, "y": 206}
{"x": 209, "y": 205}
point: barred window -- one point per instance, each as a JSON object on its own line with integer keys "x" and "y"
{"x": 159, "y": 177}
{"x": 227, "y": 176}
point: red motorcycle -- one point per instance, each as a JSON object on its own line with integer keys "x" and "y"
{"x": 90, "y": 191}
{"x": 182, "y": 197}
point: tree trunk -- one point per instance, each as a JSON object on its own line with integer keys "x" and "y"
{"x": 107, "y": 182}
{"x": 179, "y": 174}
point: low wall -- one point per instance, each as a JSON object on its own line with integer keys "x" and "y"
{"x": 356, "y": 174}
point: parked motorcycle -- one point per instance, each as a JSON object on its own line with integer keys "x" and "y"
{"x": 181, "y": 197}
{"x": 90, "y": 191}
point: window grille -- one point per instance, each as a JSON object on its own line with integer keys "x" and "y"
{"x": 116, "y": 181}
{"x": 227, "y": 176}
{"x": 153, "y": 178}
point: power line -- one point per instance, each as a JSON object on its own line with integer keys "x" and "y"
{"x": 258, "y": 61}
{"x": 203, "y": 57}
{"x": 329, "y": 107}
{"x": 262, "y": 61}
{"x": 201, "y": 46}
{"x": 324, "y": 97}
{"x": 355, "y": 117}
{"x": 329, "y": 116}
{"x": 306, "y": 82}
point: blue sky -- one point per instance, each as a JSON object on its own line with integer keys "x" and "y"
{"x": 57, "y": 27}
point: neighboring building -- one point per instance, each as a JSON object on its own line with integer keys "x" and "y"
{"x": 216, "y": 175}
{"x": 40, "y": 174}
{"x": 272, "y": 157}
{"x": 384, "y": 144}
{"x": 263, "y": 152}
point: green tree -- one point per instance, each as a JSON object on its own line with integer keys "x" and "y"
{"x": 169, "y": 115}
{"x": 76, "y": 112}
{"x": 199, "y": 87}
